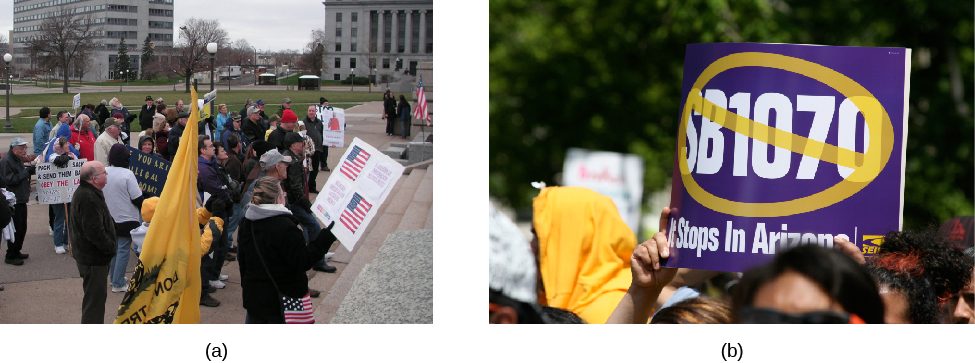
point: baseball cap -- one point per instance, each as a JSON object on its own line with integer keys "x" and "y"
{"x": 260, "y": 102}
{"x": 17, "y": 141}
{"x": 112, "y": 122}
{"x": 286, "y": 100}
{"x": 184, "y": 114}
{"x": 117, "y": 115}
{"x": 148, "y": 98}
{"x": 251, "y": 110}
{"x": 291, "y": 138}
{"x": 274, "y": 157}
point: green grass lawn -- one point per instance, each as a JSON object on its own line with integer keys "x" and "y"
{"x": 31, "y": 104}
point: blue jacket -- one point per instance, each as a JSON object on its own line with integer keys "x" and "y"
{"x": 208, "y": 181}
{"x": 42, "y": 129}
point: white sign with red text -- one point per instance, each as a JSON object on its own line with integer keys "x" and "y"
{"x": 615, "y": 175}
{"x": 57, "y": 185}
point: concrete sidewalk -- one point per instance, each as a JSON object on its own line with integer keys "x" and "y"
{"x": 48, "y": 289}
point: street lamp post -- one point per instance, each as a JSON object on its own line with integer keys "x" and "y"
{"x": 175, "y": 80}
{"x": 212, "y": 49}
{"x": 50, "y": 73}
{"x": 353, "y": 79}
{"x": 7, "y": 58}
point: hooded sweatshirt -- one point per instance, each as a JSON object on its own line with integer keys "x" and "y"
{"x": 584, "y": 249}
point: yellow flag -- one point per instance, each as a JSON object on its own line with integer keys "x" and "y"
{"x": 165, "y": 287}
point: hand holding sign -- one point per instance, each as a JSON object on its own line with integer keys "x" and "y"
{"x": 645, "y": 262}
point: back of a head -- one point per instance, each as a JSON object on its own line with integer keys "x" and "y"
{"x": 511, "y": 272}
{"x": 560, "y": 316}
{"x": 924, "y": 267}
{"x": 838, "y": 275}
{"x": 698, "y": 310}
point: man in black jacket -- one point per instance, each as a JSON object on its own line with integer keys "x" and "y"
{"x": 93, "y": 241}
{"x": 314, "y": 126}
{"x": 298, "y": 202}
{"x": 145, "y": 115}
{"x": 172, "y": 143}
{"x": 389, "y": 111}
{"x": 16, "y": 172}
{"x": 252, "y": 127}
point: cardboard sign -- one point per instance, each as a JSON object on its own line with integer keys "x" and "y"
{"x": 355, "y": 190}
{"x": 150, "y": 171}
{"x": 615, "y": 175}
{"x": 333, "y": 127}
{"x": 782, "y": 145}
{"x": 57, "y": 185}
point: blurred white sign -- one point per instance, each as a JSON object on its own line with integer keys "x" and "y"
{"x": 615, "y": 175}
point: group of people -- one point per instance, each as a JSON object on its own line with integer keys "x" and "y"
{"x": 259, "y": 172}
{"x": 583, "y": 265}
{"x": 393, "y": 112}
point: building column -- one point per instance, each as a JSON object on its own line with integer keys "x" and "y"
{"x": 423, "y": 32}
{"x": 408, "y": 37}
{"x": 379, "y": 31}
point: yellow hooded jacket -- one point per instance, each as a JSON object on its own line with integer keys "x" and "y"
{"x": 584, "y": 250}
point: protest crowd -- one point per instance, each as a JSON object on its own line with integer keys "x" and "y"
{"x": 256, "y": 171}
{"x": 583, "y": 265}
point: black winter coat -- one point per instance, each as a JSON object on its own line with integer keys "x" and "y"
{"x": 282, "y": 246}
{"x": 16, "y": 176}
{"x": 93, "y": 240}
{"x": 253, "y": 131}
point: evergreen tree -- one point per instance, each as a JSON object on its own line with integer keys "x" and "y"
{"x": 147, "y": 58}
{"x": 122, "y": 64}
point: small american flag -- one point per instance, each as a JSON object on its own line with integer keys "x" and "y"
{"x": 354, "y": 162}
{"x": 355, "y": 213}
{"x": 420, "y": 111}
{"x": 298, "y": 311}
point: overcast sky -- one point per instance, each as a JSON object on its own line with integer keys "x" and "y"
{"x": 274, "y": 25}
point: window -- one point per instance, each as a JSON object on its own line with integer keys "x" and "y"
{"x": 387, "y": 32}
{"x": 352, "y": 62}
{"x": 373, "y": 31}
{"x": 400, "y": 32}
{"x": 338, "y": 62}
{"x": 353, "y": 48}
{"x": 338, "y": 32}
{"x": 338, "y": 47}
{"x": 429, "y": 36}
{"x": 355, "y": 32}
{"x": 385, "y": 63}
{"x": 415, "y": 32}
{"x": 160, "y": 12}
{"x": 338, "y": 17}
{"x": 336, "y": 77}
{"x": 355, "y": 17}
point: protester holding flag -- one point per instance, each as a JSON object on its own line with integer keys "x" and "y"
{"x": 274, "y": 257}
{"x": 93, "y": 240}
{"x": 403, "y": 110}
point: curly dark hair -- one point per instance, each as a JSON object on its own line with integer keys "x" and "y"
{"x": 925, "y": 268}
{"x": 699, "y": 310}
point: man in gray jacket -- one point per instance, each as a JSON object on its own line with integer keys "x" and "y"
{"x": 93, "y": 241}
{"x": 16, "y": 172}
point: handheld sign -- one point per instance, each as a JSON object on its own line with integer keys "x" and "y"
{"x": 150, "y": 171}
{"x": 782, "y": 145}
{"x": 57, "y": 185}
{"x": 356, "y": 189}
{"x": 333, "y": 127}
{"x": 615, "y": 175}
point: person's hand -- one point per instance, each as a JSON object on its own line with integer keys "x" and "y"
{"x": 849, "y": 249}
{"x": 646, "y": 259}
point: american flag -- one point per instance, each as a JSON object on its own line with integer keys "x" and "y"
{"x": 420, "y": 111}
{"x": 355, "y": 213}
{"x": 298, "y": 311}
{"x": 354, "y": 162}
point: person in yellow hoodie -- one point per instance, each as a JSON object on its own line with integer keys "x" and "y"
{"x": 583, "y": 248}
{"x": 211, "y": 226}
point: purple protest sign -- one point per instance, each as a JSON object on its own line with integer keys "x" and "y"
{"x": 782, "y": 145}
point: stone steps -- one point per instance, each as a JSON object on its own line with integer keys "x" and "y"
{"x": 408, "y": 208}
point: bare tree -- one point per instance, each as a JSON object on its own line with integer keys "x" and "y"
{"x": 190, "y": 50}
{"x": 63, "y": 36}
{"x": 314, "y": 55}
{"x": 241, "y": 53}
{"x": 4, "y": 44}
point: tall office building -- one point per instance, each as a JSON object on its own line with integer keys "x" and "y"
{"x": 128, "y": 19}
{"x": 390, "y": 36}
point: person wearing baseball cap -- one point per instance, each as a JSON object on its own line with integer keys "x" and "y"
{"x": 285, "y": 105}
{"x": 16, "y": 171}
{"x": 264, "y": 118}
{"x": 253, "y": 127}
{"x": 296, "y": 188}
{"x": 285, "y": 126}
{"x": 111, "y": 136}
{"x": 172, "y": 143}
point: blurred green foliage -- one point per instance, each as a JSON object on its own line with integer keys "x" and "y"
{"x": 606, "y": 75}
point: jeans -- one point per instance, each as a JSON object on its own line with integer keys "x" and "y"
{"x": 60, "y": 231}
{"x": 309, "y": 225}
{"x": 234, "y": 222}
{"x": 121, "y": 260}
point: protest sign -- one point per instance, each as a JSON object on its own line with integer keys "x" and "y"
{"x": 618, "y": 176}
{"x": 76, "y": 101}
{"x": 57, "y": 185}
{"x": 782, "y": 145}
{"x": 333, "y": 127}
{"x": 150, "y": 171}
{"x": 352, "y": 196}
